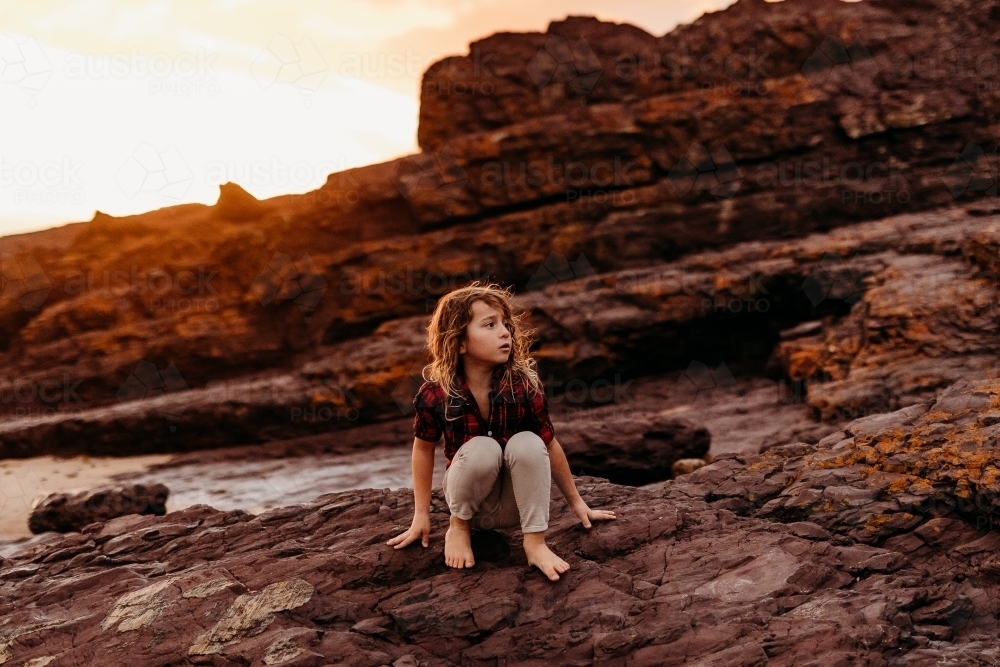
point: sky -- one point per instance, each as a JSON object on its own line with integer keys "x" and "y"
{"x": 126, "y": 106}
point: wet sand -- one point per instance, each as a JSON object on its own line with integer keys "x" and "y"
{"x": 22, "y": 480}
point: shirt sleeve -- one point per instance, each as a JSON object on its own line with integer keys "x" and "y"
{"x": 425, "y": 418}
{"x": 538, "y": 406}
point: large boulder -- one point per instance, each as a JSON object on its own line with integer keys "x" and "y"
{"x": 68, "y": 512}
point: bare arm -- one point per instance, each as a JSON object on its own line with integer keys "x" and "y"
{"x": 422, "y": 463}
{"x": 561, "y": 473}
{"x": 423, "y": 476}
{"x": 564, "y": 480}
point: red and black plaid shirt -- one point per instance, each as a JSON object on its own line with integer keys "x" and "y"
{"x": 512, "y": 409}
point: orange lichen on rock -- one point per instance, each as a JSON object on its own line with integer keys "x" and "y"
{"x": 993, "y": 388}
{"x": 902, "y": 484}
{"x": 878, "y": 520}
{"x": 935, "y": 416}
{"x": 932, "y": 455}
{"x": 764, "y": 465}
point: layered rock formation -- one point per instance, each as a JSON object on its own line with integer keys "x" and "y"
{"x": 775, "y": 226}
{"x": 873, "y": 546}
{"x": 597, "y": 142}
{"x": 906, "y": 305}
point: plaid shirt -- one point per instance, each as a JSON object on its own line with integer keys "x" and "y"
{"x": 512, "y": 409}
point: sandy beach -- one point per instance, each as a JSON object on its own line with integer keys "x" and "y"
{"x": 253, "y": 485}
{"x": 22, "y": 480}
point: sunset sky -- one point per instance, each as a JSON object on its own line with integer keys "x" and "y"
{"x": 126, "y": 106}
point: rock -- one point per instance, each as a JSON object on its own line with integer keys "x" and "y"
{"x": 834, "y": 338}
{"x": 618, "y": 322}
{"x": 66, "y": 512}
{"x": 271, "y": 297}
{"x": 632, "y": 450}
{"x": 236, "y": 204}
{"x": 683, "y": 571}
{"x": 685, "y": 466}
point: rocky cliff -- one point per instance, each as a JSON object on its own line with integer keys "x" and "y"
{"x": 600, "y": 149}
{"x": 775, "y": 227}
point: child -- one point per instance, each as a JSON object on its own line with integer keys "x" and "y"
{"x": 484, "y": 396}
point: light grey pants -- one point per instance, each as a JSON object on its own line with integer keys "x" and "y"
{"x": 501, "y": 488}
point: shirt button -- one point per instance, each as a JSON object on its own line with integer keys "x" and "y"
{"x": 489, "y": 433}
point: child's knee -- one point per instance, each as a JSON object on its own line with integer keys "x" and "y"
{"x": 526, "y": 446}
{"x": 479, "y": 452}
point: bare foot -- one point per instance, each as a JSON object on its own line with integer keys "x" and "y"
{"x": 542, "y": 557}
{"x": 458, "y": 544}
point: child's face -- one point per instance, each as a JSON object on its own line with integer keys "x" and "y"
{"x": 486, "y": 335}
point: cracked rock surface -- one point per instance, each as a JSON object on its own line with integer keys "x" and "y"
{"x": 875, "y": 542}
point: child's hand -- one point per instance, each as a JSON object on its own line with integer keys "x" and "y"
{"x": 586, "y": 515}
{"x": 419, "y": 529}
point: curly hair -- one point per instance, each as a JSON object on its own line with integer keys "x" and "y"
{"x": 448, "y": 324}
